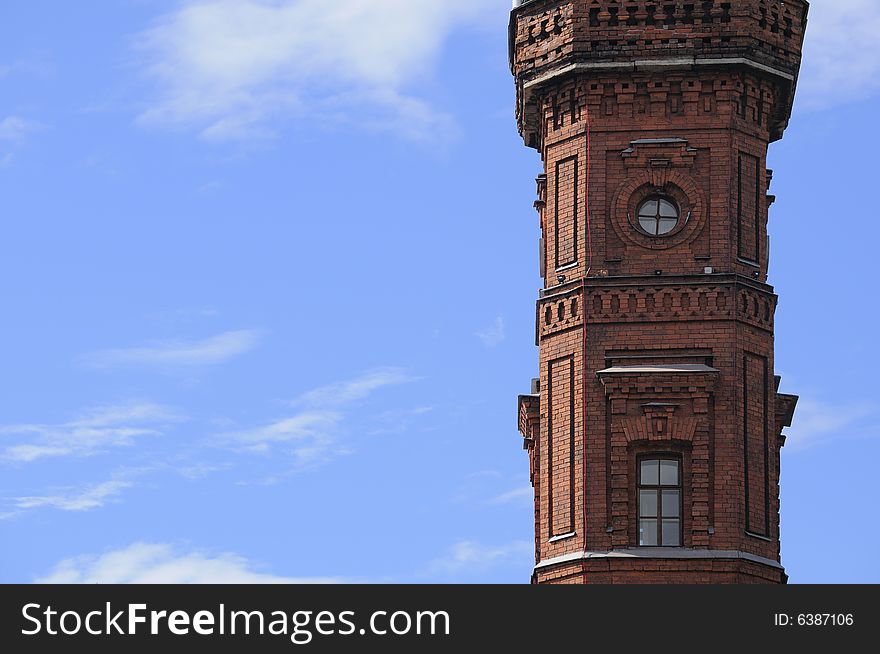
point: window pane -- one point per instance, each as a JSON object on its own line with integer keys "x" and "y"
{"x": 671, "y": 504}
{"x": 669, "y": 473}
{"x": 668, "y": 209}
{"x": 647, "y": 532}
{"x": 648, "y": 209}
{"x": 649, "y": 225}
{"x": 648, "y": 504}
{"x": 667, "y": 225}
{"x": 671, "y": 533}
{"x": 650, "y": 472}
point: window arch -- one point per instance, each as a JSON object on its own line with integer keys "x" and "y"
{"x": 660, "y": 501}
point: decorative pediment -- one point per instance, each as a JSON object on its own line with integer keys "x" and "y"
{"x": 659, "y": 155}
{"x": 659, "y": 423}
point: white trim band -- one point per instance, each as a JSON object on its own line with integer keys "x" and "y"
{"x": 682, "y": 368}
{"x": 654, "y": 64}
{"x": 658, "y": 553}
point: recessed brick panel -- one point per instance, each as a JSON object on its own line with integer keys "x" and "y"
{"x": 748, "y": 207}
{"x": 561, "y": 468}
{"x": 756, "y": 444}
{"x": 565, "y": 223}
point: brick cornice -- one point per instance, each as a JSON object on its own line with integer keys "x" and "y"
{"x": 549, "y": 40}
{"x": 656, "y": 299}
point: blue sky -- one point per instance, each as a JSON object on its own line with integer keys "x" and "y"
{"x": 268, "y": 271}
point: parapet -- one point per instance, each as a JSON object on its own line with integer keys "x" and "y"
{"x": 550, "y": 38}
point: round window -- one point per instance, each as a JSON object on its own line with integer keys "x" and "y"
{"x": 658, "y": 215}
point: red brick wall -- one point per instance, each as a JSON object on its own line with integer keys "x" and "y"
{"x": 701, "y": 170}
{"x": 627, "y": 571}
{"x": 614, "y": 126}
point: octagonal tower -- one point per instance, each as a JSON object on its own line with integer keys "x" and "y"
{"x": 655, "y": 427}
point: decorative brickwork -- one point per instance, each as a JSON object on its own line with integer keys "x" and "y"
{"x": 655, "y": 345}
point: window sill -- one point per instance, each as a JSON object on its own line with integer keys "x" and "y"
{"x": 560, "y": 537}
{"x": 759, "y": 537}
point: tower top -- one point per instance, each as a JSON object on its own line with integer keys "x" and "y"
{"x": 550, "y": 39}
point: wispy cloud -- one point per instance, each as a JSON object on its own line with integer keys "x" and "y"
{"x": 473, "y": 558}
{"x": 229, "y": 68}
{"x": 493, "y": 335}
{"x": 92, "y": 497}
{"x": 94, "y": 432}
{"x": 491, "y": 488}
{"x": 523, "y": 494}
{"x": 178, "y": 354}
{"x": 185, "y": 315}
{"x": 841, "y": 57}
{"x": 399, "y": 421}
{"x": 311, "y": 435}
{"x": 34, "y": 64}
{"x": 346, "y": 392}
{"x": 818, "y": 422}
{"x": 16, "y": 128}
{"x": 150, "y": 563}
{"x": 198, "y": 471}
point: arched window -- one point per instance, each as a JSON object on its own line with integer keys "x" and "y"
{"x": 659, "y": 491}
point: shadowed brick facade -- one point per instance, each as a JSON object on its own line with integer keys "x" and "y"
{"x": 655, "y": 345}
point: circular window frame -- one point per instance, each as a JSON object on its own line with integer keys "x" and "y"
{"x": 659, "y": 197}
{"x": 639, "y": 188}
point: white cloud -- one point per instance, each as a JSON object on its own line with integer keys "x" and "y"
{"x": 473, "y": 557}
{"x": 13, "y": 131}
{"x": 817, "y": 422}
{"x": 228, "y": 67}
{"x": 36, "y": 63}
{"x": 518, "y": 495}
{"x": 200, "y": 470}
{"x": 352, "y": 390}
{"x": 841, "y": 57}
{"x": 310, "y": 437}
{"x": 92, "y": 433}
{"x": 90, "y": 498}
{"x": 15, "y": 128}
{"x": 178, "y": 354}
{"x": 312, "y": 434}
{"x": 145, "y": 563}
{"x": 493, "y": 335}
{"x": 399, "y": 421}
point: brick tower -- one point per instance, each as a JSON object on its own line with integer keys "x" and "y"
{"x": 655, "y": 428}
